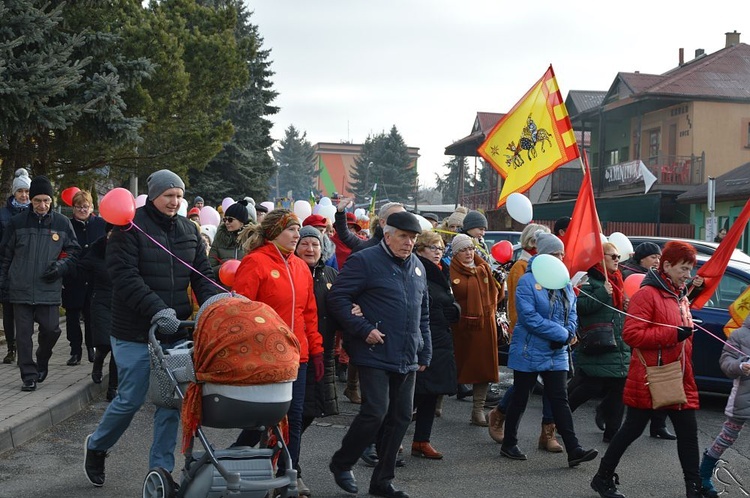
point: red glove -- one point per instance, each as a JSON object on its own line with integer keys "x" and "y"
{"x": 317, "y": 363}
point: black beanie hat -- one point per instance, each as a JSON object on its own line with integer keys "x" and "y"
{"x": 645, "y": 249}
{"x": 238, "y": 211}
{"x": 40, "y": 185}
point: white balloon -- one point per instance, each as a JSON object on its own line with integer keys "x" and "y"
{"x": 327, "y": 212}
{"x": 623, "y": 244}
{"x": 603, "y": 238}
{"x": 183, "y": 208}
{"x": 315, "y": 210}
{"x": 228, "y": 201}
{"x": 359, "y": 213}
{"x": 140, "y": 201}
{"x": 302, "y": 209}
{"x": 268, "y": 205}
{"x": 325, "y": 201}
{"x": 424, "y": 223}
{"x": 519, "y": 208}
{"x": 209, "y": 216}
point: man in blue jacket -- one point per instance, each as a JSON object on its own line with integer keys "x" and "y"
{"x": 389, "y": 343}
{"x": 39, "y": 248}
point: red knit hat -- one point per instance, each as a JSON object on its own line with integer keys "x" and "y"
{"x": 194, "y": 211}
{"x": 314, "y": 220}
{"x": 351, "y": 219}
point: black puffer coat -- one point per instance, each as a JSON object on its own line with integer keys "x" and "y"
{"x": 77, "y": 285}
{"x": 147, "y": 279}
{"x": 440, "y": 377}
{"x": 320, "y": 397}
{"x": 94, "y": 265}
{"x": 31, "y": 243}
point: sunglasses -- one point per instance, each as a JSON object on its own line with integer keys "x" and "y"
{"x": 228, "y": 219}
{"x": 615, "y": 257}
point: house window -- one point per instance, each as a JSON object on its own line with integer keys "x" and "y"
{"x": 614, "y": 156}
{"x": 654, "y": 144}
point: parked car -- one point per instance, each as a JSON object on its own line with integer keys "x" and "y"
{"x": 702, "y": 246}
{"x": 492, "y": 237}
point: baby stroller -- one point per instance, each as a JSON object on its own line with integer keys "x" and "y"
{"x": 242, "y": 471}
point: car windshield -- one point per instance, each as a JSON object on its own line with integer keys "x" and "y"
{"x": 701, "y": 246}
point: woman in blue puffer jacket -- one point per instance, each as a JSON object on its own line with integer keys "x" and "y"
{"x": 546, "y": 325}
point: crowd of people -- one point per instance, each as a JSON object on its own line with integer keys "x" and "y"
{"x": 411, "y": 313}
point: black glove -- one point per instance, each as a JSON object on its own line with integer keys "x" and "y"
{"x": 52, "y": 272}
{"x": 167, "y": 321}
{"x": 557, "y": 345}
{"x": 683, "y": 333}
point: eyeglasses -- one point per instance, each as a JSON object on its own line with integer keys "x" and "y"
{"x": 82, "y": 208}
{"x": 228, "y": 219}
{"x": 615, "y": 257}
{"x": 434, "y": 248}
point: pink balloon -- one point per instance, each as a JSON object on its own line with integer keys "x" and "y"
{"x": 209, "y": 216}
{"x": 632, "y": 284}
{"x": 228, "y": 201}
{"x": 140, "y": 201}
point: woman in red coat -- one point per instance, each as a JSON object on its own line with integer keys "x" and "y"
{"x": 660, "y": 329}
{"x": 273, "y": 274}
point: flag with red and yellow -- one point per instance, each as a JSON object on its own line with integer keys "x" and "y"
{"x": 532, "y": 140}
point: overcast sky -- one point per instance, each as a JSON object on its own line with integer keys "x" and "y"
{"x": 346, "y": 69}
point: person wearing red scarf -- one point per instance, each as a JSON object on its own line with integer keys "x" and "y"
{"x": 598, "y": 302}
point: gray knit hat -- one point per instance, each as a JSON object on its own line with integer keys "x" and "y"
{"x": 21, "y": 180}
{"x": 460, "y": 242}
{"x": 162, "y": 180}
{"x": 310, "y": 231}
{"x": 474, "y": 219}
{"x": 251, "y": 212}
{"x": 546, "y": 243}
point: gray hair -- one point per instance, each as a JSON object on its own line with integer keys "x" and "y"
{"x": 389, "y": 229}
{"x": 387, "y": 207}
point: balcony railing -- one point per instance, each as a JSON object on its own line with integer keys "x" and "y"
{"x": 668, "y": 170}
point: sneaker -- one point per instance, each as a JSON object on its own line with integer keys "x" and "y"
{"x": 93, "y": 464}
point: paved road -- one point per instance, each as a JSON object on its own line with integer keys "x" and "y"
{"x": 51, "y": 464}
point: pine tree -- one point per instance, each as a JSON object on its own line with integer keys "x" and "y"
{"x": 295, "y": 160}
{"x": 384, "y": 160}
{"x": 447, "y": 185}
{"x": 244, "y": 166}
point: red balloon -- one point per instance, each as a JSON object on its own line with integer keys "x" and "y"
{"x": 67, "y": 195}
{"x": 118, "y": 207}
{"x": 633, "y": 283}
{"x": 227, "y": 270}
{"x": 502, "y": 251}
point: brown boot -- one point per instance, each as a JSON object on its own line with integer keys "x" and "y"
{"x": 425, "y": 450}
{"x": 496, "y": 420}
{"x": 477, "y": 413}
{"x": 547, "y": 439}
{"x": 352, "y": 385}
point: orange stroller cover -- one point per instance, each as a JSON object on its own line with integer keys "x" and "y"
{"x": 237, "y": 342}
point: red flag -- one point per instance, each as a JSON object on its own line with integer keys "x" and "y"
{"x": 583, "y": 243}
{"x": 714, "y": 268}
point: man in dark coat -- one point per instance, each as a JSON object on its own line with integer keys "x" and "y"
{"x": 388, "y": 344}
{"x": 149, "y": 286}
{"x": 39, "y": 248}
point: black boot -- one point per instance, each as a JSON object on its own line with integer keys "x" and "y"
{"x": 112, "y": 389}
{"x": 96, "y": 370}
{"x": 693, "y": 489}
{"x": 11, "y": 356}
{"x": 605, "y": 484}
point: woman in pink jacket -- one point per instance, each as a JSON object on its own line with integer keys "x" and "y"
{"x": 273, "y": 274}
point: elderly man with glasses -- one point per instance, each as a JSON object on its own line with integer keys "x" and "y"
{"x": 77, "y": 289}
{"x": 39, "y": 248}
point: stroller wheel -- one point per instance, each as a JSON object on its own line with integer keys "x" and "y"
{"x": 159, "y": 484}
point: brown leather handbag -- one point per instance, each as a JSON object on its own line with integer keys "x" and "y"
{"x": 665, "y": 382}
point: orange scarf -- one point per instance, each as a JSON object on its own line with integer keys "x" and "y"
{"x": 237, "y": 342}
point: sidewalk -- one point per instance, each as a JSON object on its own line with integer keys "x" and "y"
{"x": 65, "y": 392}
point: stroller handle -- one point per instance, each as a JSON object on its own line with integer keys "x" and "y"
{"x": 155, "y": 342}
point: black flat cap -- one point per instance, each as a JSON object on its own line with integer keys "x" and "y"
{"x": 431, "y": 216}
{"x": 404, "y": 221}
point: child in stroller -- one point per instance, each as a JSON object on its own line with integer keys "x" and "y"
{"x": 245, "y": 360}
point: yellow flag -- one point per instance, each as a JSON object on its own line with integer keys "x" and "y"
{"x": 532, "y": 140}
{"x": 738, "y": 311}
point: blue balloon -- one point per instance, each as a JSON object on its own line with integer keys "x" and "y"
{"x": 550, "y": 272}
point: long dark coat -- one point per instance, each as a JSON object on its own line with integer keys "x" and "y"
{"x": 76, "y": 292}
{"x": 94, "y": 265}
{"x": 320, "y": 397}
{"x": 440, "y": 376}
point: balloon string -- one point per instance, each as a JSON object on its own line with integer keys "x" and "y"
{"x": 176, "y": 257}
{"x": 661, "y": 324}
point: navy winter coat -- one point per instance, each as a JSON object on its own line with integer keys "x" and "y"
{"x": 393, "y": 295}
{"x": 77, "y": 285}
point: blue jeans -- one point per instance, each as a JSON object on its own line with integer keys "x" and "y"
{"x": 133, "y": 371}
{"x": 547, "y": 417}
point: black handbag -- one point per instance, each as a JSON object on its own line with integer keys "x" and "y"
{"x": 597, "y": 338}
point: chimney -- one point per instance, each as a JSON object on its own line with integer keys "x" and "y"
{"x": 733, "y": 38}
{"x": 682, "y": 56}
{"x": 699, "y": 52}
